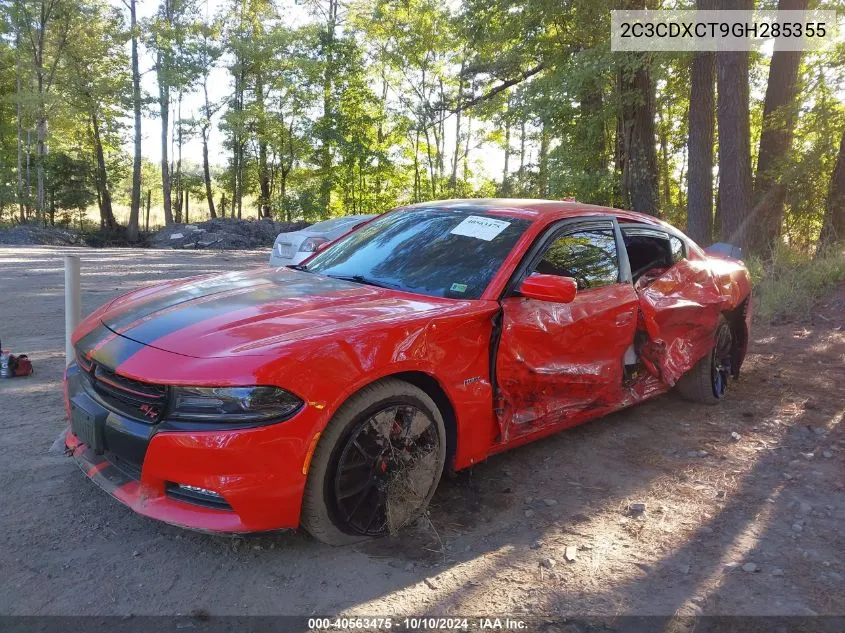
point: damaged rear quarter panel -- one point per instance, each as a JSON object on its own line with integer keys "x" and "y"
{"x": 680, "y": 311}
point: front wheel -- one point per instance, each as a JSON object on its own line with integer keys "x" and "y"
{"x": 376, "y": 466}
{"x": 707, "y": 381}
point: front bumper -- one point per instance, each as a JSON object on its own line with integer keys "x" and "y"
{"x": 257, "y": 471}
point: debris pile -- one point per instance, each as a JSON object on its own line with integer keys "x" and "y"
{"x": 223, "y": 233}
{"x": 35, "y": 234}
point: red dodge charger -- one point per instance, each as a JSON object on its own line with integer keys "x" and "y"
{"x": 333, "y": 394}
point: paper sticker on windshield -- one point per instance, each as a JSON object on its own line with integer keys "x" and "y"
{"x": 458, "y": 288}
{"x": 482, "y": 228}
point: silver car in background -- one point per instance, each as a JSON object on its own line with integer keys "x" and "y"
{"x": 292, "y": 248}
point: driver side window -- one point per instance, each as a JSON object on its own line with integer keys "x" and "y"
{"x": 589, "y": 256}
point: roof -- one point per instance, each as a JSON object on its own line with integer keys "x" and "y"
{"x": 533, "y": 209}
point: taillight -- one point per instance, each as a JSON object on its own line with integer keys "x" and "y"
{"x": 312, "y": 244}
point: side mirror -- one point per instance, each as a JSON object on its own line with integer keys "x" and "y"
{"x": 549, "y": 288}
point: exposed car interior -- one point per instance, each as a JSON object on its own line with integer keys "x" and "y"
{"x": 650, "y": 253}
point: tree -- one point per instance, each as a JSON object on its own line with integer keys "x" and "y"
{"x": 702, "y": 108}
{"x": 175, "y": 67}
{"x": 734, "y": 144}
{"x": 209, "y": 51}
{"x": 779, "y": 116}
{"x": 97, "y": 83}
{"x": 44, "y": 26}
{"x": 135, "y": 202}
{"x": 325, "y": 128}
{"x": 72, "y": 187}
{"x": 833, "y": 224}
{"x": 637, "y": 161}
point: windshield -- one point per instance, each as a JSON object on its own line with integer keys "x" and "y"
{"x": 429, "y": 251}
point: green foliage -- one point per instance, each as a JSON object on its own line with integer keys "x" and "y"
{"x": 375, "y": 103}
{"x": 787, "y": 287}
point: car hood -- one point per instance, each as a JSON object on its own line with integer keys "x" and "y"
{"x": 259, "y": 311}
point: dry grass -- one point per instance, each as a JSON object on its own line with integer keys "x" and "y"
{"x": 786, "y": 288}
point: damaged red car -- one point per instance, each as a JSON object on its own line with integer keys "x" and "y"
{"x": 333, "y": 395}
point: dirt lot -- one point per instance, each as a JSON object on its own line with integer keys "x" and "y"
{"x": 752, "y": 523}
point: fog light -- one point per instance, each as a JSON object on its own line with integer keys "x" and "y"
{"x": 199, "y": 491}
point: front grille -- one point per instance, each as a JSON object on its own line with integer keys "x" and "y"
{"x": 84, "y": 362}
{"x": 121, "y": 387}
{"x": 139, "y": 400}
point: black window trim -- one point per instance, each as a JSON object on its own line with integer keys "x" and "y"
{"x": 565, "y": 227}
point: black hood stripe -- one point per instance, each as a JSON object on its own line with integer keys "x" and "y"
{"x": 106, "y": 347}
{"x": 135, "y": 310}
{"x": 148, "y": 323}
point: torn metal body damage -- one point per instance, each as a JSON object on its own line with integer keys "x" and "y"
{"x": 561, "y": 364}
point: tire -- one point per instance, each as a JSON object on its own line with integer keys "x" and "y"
{"x": 707, "y": 381}
{"x": 361, "y": 421}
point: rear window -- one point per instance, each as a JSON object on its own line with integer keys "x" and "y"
{"x": 328, "y": 225}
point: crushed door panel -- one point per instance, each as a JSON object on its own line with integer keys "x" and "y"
{"x": 556, "y": 360}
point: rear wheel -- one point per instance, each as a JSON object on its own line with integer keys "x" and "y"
{"x": 376, "y": 466}
{"x": 707, "y": 381}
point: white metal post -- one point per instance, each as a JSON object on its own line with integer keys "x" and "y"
{"x": 73, "y": 306}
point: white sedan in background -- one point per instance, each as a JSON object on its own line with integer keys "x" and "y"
{"x": 292, "y": 248}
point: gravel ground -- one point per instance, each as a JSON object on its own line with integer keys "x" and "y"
{"x": 749, "y": 523}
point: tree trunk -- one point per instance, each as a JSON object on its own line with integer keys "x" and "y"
{"x": 702, "y": 108}
{"x": 636, "y": 126}
{"x": 591, "y": 140}
{"x": 135, "y": 202}
{"x": 106, "y": 213}
{"x": 417, "y": 178}
{"x": 149, "y": 199}
{"x": 734, "y": 144}
{"x": 187, "y": 204}
{"x": 177, "y": 176}
{"x": 206, "y": 170}
{"x": 328, "y": 116}
{"x": 466, "y": 149}
{"x": 222, "y": 205}
{"x": 263, "y": 172}
{"x": 543, "y": 162}
{"x": 453, "y": 177}
{"x": 665, "y": 177}
{"x": 506, "y": 183}
{"x": 380, "y": 137}
{"x": 19, "y": 100}
{"x": 431, "y": 173}
{"x": 40, "y": 146}
{"x": 28, "y": 174}
{"x": 521, "y": 147}
{"x": 164, "y": 107}
{"x": 240, "y": 180}
{"x": 779, "y": 115}
{"x": 206, "y": 174}
{"x": 283, "y": 192}
{"x": 833, "y": 225}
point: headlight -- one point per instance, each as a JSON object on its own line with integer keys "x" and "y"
{"x": 234, "y": 404}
